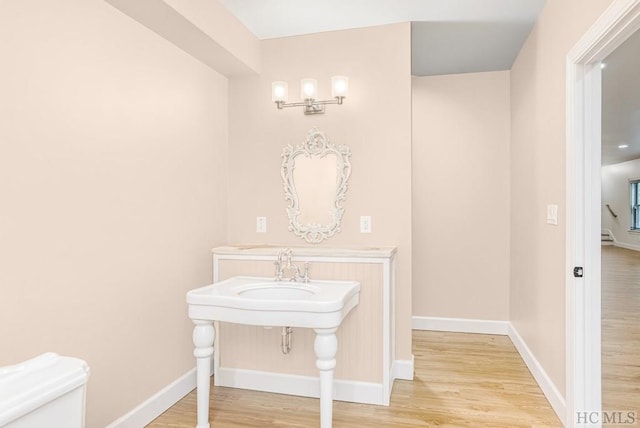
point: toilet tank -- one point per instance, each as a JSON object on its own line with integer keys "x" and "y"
{"x": 45, "y": 391}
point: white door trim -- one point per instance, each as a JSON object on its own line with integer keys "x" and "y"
{"x": 583, "y": 364}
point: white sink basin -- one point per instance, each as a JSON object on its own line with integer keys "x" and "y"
{"x": 321, "y": 305}
{"x": 276, "y": 292}
{"x": 263, "y": 301}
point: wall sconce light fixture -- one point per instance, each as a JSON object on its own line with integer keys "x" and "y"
{"x": 309, "y": 93}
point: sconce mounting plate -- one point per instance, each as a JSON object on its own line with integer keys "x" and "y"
{"x": 314, "y": 109}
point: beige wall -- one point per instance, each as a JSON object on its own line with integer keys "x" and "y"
{"x": 461, "y": 196}
{"x": 375, "y": 122}
{"x": 615, "y": 192}
{"x": 113, "y": 192}
{"x": 537, "y": 296}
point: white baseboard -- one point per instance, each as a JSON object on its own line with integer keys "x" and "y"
{"x": 460, "y": 325}
{"x": 625, "y": 245}
{"x": 547, "y": 386}
{"x": 402, "y": 369}
{"x": 157, "y": 403}
{"x": 617, "y": 243}
{"x": 306, "y": 386}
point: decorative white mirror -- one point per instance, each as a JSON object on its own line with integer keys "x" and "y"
{"x": 315, "y": 175}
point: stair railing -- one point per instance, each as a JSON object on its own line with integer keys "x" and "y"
{"x": 611, "y": 211}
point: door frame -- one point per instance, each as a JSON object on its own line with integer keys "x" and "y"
{"x": 583, "y": 164}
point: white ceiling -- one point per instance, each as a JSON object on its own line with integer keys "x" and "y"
{"x": 621, "y": 103}
{"x": 448, "y": 36}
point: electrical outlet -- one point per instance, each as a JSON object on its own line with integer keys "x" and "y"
{"x": 552, "y": 214}
{"x": 261, "y": 224}
{"x": 365, "y": 224}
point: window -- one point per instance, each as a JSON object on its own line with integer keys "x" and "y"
{"x": 634, "y": 190}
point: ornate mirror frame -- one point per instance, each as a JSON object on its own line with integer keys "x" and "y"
{"x": 315, "y": 145}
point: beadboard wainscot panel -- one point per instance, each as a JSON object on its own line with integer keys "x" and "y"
{"x": 365, "y": 337}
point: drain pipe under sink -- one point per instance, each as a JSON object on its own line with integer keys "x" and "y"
{"x": 286, "y": 340}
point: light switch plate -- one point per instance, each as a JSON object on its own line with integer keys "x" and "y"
{"x": 552, "y": 214}
{"x": 365, "y": 224}
{"x": 261, "y": 224}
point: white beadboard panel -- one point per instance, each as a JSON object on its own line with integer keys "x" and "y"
{"x": 360, "y": 336}
{"x": 389, "y": 317}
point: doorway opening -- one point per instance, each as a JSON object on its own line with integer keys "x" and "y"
{"x": 620, "y": 258}
{"x": 583, "y": 286}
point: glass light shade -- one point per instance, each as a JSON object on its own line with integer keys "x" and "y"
{"x": 309, "y": 89}
{"x": 339, "y": 86}
{"x": 279, "y": 91}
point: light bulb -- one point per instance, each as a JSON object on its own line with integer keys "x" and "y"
{"x": 339, "y": 86}
{"x": 309, "y": 89}
{"x": 279, "y": 91}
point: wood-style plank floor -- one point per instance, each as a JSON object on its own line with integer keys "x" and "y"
{"x": 620, "y": 329}
{"x": 461, "y": 380}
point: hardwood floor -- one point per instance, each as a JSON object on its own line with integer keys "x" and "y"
{"x": 461, "y": 380}
{"x": 620, "y": 329}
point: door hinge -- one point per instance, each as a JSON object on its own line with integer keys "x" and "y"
{"x": 578, "y": 272}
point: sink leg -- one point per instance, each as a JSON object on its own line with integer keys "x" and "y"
{"x": 203, "y": 336}
{"x": 326, "y": 347}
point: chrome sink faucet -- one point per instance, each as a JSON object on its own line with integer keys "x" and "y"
{"x": 284, "y": 264}
{"x": 279, "y": 267}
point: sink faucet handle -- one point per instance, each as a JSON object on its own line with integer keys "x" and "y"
{"x": 279, "y": 264}
{"x": 305, "y": 275}
{"x": 289, "y": 254}
{"x": 279, "y": 271}
{"x": 283, "y": 261}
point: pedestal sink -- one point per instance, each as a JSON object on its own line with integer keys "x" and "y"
{"x": 321, "y": 305}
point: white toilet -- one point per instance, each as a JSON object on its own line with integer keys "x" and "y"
{"x": 45, "y": 391}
